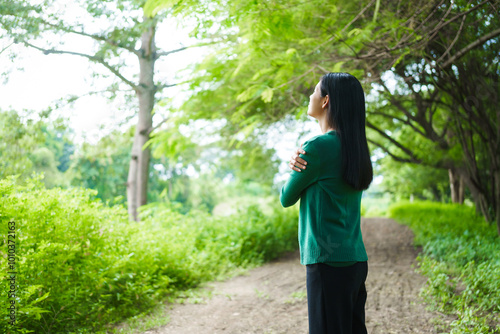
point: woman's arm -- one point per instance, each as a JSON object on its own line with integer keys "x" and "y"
{"x": 299, "y": 181}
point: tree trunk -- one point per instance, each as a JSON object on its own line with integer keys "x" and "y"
{"x": 137, "y": 183}
{"x": 132, "y": 182}
{"x": 461, "y": 190}
{"x": 478, "y": 195}
{"x": 456, "y": 186}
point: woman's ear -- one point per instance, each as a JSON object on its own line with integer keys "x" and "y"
{"x": 325, "y": 102}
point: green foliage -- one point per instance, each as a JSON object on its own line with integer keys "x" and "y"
{"x": 246, "y": 159}
{"x": 171, "y": 144}
{"x": 57, "y": 140}
{"x": 16, "y": 141}
{"x": 28, "y": 145}
{"x": 220, "y": 166}
{"x": 104, "y": 166}
{"x": 152, "y": 7}
{"x": 44, "y": 161}
{"x": 420, "y": 114}
{"x": 271, "y": 56}
{"x": 81, "y": 265}
{"x": 405, "y": 180}
{"x": 461, "y": 258}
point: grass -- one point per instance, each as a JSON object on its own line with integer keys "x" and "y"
{"x": 461, "y": 258}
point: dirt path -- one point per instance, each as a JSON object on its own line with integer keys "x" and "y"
{"x": 271, "y": 299}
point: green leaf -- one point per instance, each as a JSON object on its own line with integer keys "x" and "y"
{"x": 40, "y": 298}
{"x": 354, "y": 32}
{"x": 152, "y": 7}
{"x": 338, "y": 66}
{"x": 267, "y": 95}
{"x": 247, "y": 94}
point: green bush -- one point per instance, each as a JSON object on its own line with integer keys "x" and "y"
{"x": 461, "y": 258}
{"x": 81, "y": 265}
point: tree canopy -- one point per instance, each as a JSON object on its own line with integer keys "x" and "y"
{"x": 437, "y": 108}
{"x": 120, "y": 39}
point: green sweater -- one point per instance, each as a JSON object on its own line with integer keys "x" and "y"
{"x": 329, "y": 219}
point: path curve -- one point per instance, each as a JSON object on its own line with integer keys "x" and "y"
{"x": 271, "y": 299}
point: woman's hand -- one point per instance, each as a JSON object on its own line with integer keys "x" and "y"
{"x": 296, "y": 162}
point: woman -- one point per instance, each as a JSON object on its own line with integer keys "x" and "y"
{"x": 329, "y": 182}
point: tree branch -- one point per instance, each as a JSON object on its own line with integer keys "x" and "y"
{"x": 395, "y": 101}
{"x": 151, "y": 129}
{"x": 72, "y": 98}
{"x": 404, "y": 40}
{"x": 395, "y": 157}
{"x": 160, "y": 87}
{"x": 385, "y": 135}
{"x": 343, "y": 29}
{"x": 296, "y": 78}
{"x": 5, "y": 48}
{"x": 92, "y": 58}
{"x": 95, "y": 37}
{"x": 471, "y": 46}
{"x": 166, "y": 53}
{"x": 404, "y": 121}
{"x": 441, "y": 25}
{"x": 454, "y": 40}
{"x": 355, "y": 18}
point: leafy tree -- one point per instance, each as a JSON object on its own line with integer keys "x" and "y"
{"x": 28, "y": 145}
{"x": 443, "y": 56}
{"x": 404, "y": 181}
{"x": 17, "y": 139}
{"x": 443, "y": 112}
{"x": 123, "y": 45}
{"x": 44, "y": 161}
{"x": 220, "y": 164}
{"x": 249, "y": 160}
{"x": 103, "y": 166}
{"x": 57, "y": 139}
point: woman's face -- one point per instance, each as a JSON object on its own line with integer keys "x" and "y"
{"x": 317, "y": 102}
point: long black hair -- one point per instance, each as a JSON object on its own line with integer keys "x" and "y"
{"x": 347, "y": 114}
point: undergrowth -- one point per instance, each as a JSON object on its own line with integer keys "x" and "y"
{"x": 461, "y": 258}
{"x": 82, "y": 266}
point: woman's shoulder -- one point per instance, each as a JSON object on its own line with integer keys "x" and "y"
{"x": 322, "y": 141}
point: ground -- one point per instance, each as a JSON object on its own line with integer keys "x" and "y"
{"x": 272, "y": 299}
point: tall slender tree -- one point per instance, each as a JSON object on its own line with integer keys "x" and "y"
{"x": 123, "y": 44}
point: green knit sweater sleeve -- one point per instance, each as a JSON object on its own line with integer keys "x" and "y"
{"x": 299, "y": 181}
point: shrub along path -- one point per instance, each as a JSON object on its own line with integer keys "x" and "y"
{"x": 272, "y": 298}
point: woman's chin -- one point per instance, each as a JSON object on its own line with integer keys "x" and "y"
{"x": 310, "y": 115}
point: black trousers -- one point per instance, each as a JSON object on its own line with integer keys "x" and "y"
{"x": 336, "y": 298}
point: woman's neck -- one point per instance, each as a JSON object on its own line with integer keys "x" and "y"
{"x": 325, "y": 128}
{"x": 323, "y": 124}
